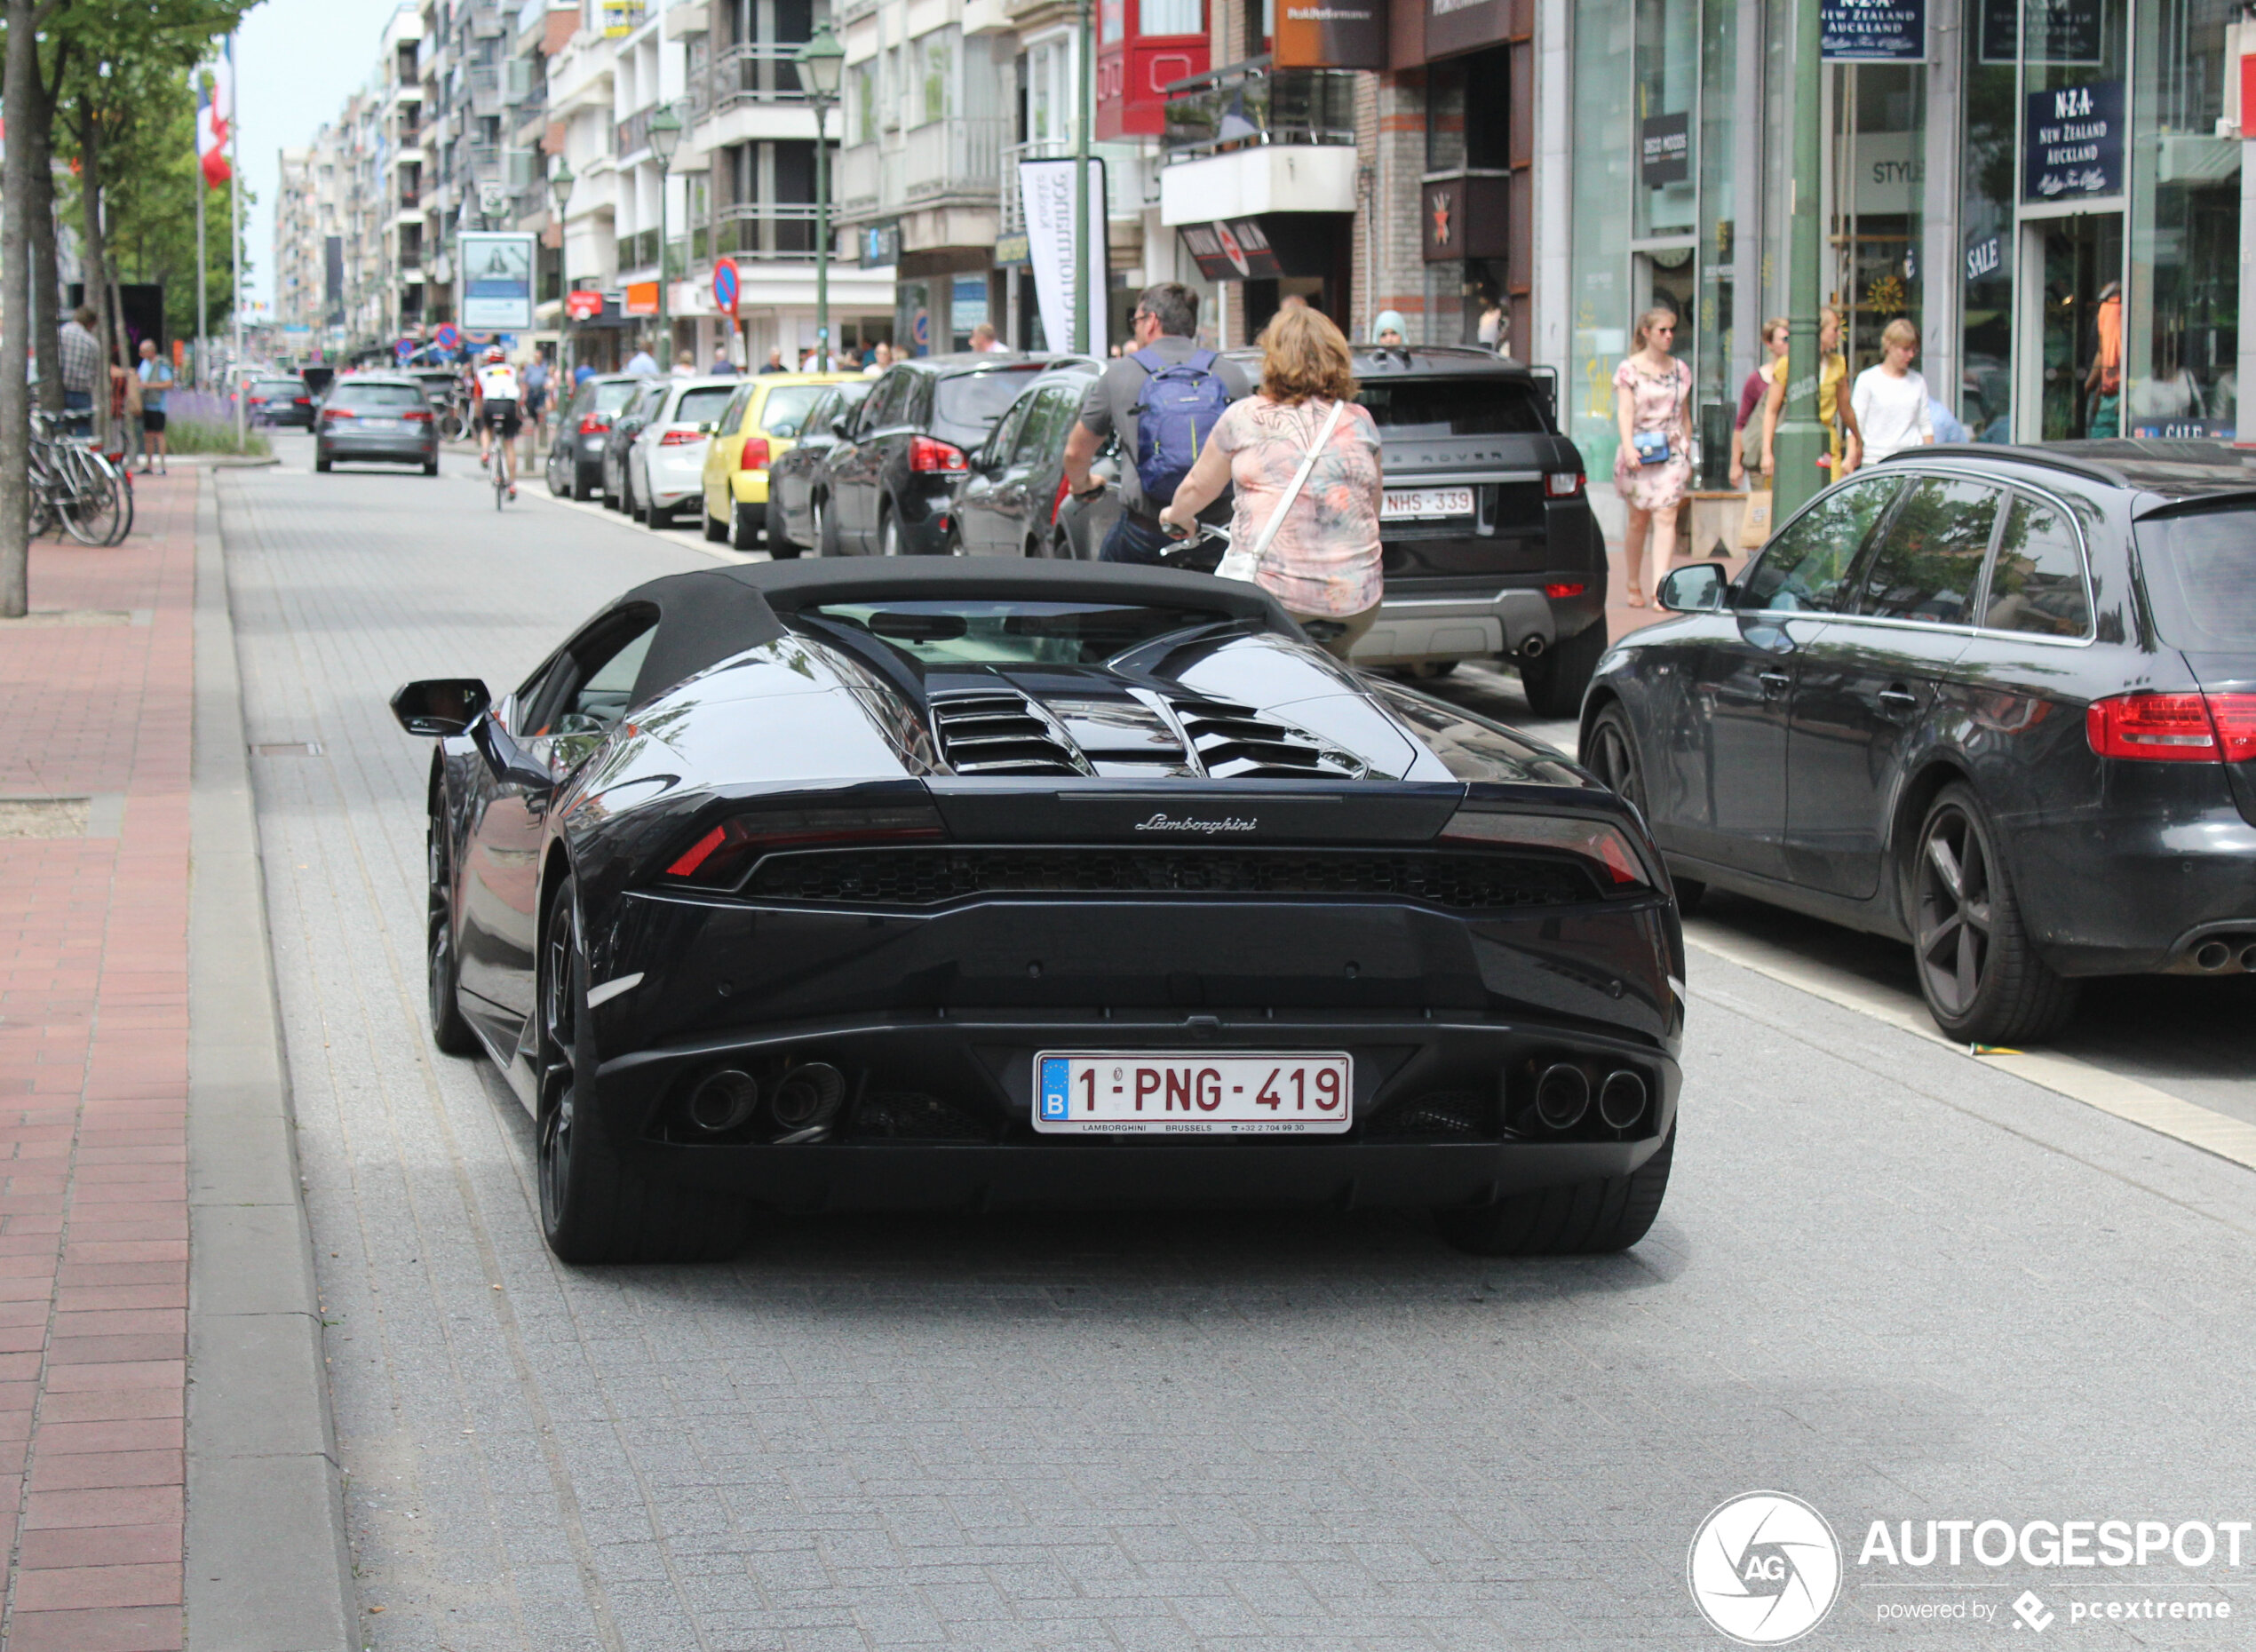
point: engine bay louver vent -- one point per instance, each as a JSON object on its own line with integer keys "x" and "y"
{"x": 1000, "y": 733}
{"x": 1235, "y": 742}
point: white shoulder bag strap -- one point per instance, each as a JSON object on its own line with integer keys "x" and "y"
{"x": 1242, "y": 563}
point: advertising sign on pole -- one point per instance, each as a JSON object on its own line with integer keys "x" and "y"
{"x": 496, "y": 279}
{"x": 1047, "y": 187}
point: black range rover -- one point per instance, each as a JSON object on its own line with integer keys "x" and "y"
{"x": 1492, "y": 550}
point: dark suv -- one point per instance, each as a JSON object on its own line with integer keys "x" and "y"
{"x": 894, "y": 469}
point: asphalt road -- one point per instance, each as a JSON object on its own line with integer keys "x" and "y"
{"x": 1894, "y": 1282}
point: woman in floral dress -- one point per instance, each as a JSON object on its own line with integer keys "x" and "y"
{"x": 1652, "y": 395}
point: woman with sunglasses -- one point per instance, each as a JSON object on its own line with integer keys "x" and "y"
{"x": 1653, "y": 466}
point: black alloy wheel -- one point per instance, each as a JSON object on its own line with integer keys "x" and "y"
{"x": 596, "y": 1207}
{"x": 1979, "y": 970}
{"x": 1610, "y": 753}
{"x": 1605, "y": 1214}
{"x": 450, "y": 1030}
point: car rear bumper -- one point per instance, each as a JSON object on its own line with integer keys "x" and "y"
{"x": 1411, "y": 628}
{"x": 2111, "y": 894}
{"x": 748, "y": 487}
{"x": 404, "y": 448}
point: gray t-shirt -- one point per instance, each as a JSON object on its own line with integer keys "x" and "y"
{"x": 1112, "y": 397}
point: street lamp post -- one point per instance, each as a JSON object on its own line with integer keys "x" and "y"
{"x": 666, "y": 137}
{"x": 1801, "y": 439}
{"x": 559, "y": 186}
{"x": 821, "y": 61}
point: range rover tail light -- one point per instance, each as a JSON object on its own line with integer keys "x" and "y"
{"x": 2174, "y": 727}
{"x": 1563, "y": 484}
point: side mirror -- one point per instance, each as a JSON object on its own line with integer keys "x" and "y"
{"x": 1697, "y": 589}
{"x": 444, "y": 706}
{"x": 510, "y": 763}
{"x": 708, "y": 428}
{"x": 839, "y": 425}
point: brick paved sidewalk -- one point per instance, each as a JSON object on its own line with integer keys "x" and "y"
{"x": 94, "y": 1085}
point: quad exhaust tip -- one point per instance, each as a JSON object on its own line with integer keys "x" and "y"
{"x": 1621, "y": 1100}
{"x": 724, "y": 1101}
{"x": 1562, "y": 1096}
{"x": 807, "y": 1100}
{"x": 2223, "y": 951}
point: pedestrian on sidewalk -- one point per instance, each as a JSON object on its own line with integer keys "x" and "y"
{"x": 1890, "y": 401}
{"x": 1652, "y": 465}
{"x": 125, "y": 410}
{"x": 1844, "y": 436}
{"x": 1388, "y": 329}
{"x": 1746, "y": 431}
{"x": 643, "y": 363}
{"x": 685, "y": 365}
{"x": 774, "y": 361}
{"x": 156, "y": 379}
{"x": 1315, "y": 530}
{"x": 79, "y": 361}
{"x": 533, "y": 380}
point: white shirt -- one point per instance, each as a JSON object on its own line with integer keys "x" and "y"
{"x": 497, "y": 382}
{"x": 1891, "y": 412}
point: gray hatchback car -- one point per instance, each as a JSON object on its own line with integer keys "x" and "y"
{"x": 378, "y": 418}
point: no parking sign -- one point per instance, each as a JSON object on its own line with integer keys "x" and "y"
{"x": 725, "y": 286}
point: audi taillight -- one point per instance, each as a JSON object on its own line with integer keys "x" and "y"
{"x": 2174, "y": 727}
{"x": 681, "y": 436}
{"x": 347, "y": 413}
{"x": 754, "y": 455}
{"x": 594, "y": 423}
{"x": 421, "y": 416}
{"x": 305, "y": 402}
{"x": 1561, "y": 484}
{"x": 719, "y": 859}
{"x": 929, "y": 453}
{"x": 1603, "y": 847}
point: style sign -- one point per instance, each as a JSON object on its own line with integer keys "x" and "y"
{"x": 2073, "y": 146}
{"x": 1874, "y": 31}
{"x": 496, "y": 279}
{"x": 1665, "y": 150}
{"x": 1331, "y": 34}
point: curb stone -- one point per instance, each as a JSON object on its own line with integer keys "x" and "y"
{"x": 268, "y": 1566}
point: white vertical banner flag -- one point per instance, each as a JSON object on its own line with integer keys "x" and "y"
{"x": 1047, "y": 188}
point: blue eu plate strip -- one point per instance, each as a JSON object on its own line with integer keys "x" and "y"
{"x": 1056, "y": 1096}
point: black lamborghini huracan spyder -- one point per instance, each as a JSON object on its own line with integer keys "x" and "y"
{"x": 972, "y": 883}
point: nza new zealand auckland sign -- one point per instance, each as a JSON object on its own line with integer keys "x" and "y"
{"x": 2073, "y": 146}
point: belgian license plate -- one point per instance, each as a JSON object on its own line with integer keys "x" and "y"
{"x": 385, "y": 423}
{"x": 1152, "y": 1092}
{"x": 1411, "y": 504}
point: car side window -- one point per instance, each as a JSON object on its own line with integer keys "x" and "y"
{"x": 2036, "y": 576}
{"x": 1929, "y": 564}
{"x": 885, "y": 403}
{"x": 1802, "y": 570}
{"x": 1003, "y": 444}
{"x": 732, "y": 418}
{"x": 1037, "y": 437}
{"x": 607, "y": 685}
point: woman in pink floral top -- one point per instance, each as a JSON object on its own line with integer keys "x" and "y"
{"x": 1323, "y": 562}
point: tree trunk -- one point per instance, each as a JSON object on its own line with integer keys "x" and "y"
{"x": 18, "y": 77}
{"x": 96, "y": 257}
{"x": 46, "y": 279}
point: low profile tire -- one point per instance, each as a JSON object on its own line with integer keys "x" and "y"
{"x": 1607, "y": 1214}
{"x": 1978, "y": 968}
{"x": 320, "y": 463}
{"x": 1554, "y": 683}
{"x": 581, "y": 491}
{"x": 596, "y": 1207}
{"x": 741, "y": 535}
{"x": 449, "y": 1029}
{"x": 431, "y": 468}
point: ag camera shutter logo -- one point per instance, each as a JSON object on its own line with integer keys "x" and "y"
{"x": 1764, "y": 1569}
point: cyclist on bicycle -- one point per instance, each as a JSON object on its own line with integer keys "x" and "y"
{"x": 496, "y": 398}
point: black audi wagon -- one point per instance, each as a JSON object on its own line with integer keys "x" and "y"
{"x": 1996, "y": 701}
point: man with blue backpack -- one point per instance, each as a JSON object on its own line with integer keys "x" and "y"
{"x": 1163, "y": 399}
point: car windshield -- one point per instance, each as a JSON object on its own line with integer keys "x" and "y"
{"x": 1484, "y": 406}
{"x": 2201, "y": 577}
{"x": 973, "y": 402}
{"x": 279, "y": 387}
{"x": 612, "y": 395}
{"x": 697, "y": 406}
{"x": 376, "y": 396}
{"x": 786, "y": 406}
{"x": 1005, "y": 632}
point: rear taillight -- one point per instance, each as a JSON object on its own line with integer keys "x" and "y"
{"x": 1058, "y": 503}
{"x": 929, "y": 453}
{"x": 2174, "y": 727}
{"x": 719, "y": 859}
{"x": 755, "y": 453}
{"x": 421, "y": 416}
{"x": 594, "y": 423}
{"x": 681, "y": 436}
{"x": 1561, "y": 484}
{"x": 1602, "y": 846}
{"x": 305, "y": 402}
{"x": 347, "y": 413}
{"x": 1561, "y": 592}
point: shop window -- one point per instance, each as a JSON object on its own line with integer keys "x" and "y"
{"x": 1469, "y": 131}
{"x": 1667, "y": 73}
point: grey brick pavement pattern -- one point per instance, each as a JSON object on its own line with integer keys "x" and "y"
{"x": 1886, "y": 1280}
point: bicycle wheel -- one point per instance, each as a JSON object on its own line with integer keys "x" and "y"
{"x": 89, "y": 504}
{"x": 125, "y": 512}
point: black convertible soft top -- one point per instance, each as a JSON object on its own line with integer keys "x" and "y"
{"x": 706, "y": 617}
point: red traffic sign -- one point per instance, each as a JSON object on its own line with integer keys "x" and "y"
{"x": 583, "y": 306}
{"x": 726, "y": 285}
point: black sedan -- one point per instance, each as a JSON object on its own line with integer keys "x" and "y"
{"x": 277, "y": 401}
{"x": 1013, "y": 483}
{"x": 798, "y": 477}
{"x": 582, "y": 432}
{"x": 893, "y": 473}
{"x": 1999, "y": 703}
{"x": 638, "y": 410}
{"x": 372, "y": 418}
{"x": 984, "y": 883}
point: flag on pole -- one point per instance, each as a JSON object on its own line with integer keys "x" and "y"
{"x": 215, "y": 106}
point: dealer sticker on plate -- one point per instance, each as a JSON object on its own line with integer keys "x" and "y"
{"x": 1413, "y": 504}
{"x": 1145, "y": 1092}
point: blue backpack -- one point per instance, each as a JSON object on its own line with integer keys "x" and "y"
{"x": 1180, "y": 405}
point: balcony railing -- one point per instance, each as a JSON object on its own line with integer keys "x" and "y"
{"x": 482, "y": 161}
{"x": 756, "y": 71}
{"x": 1246, "y": 105}
{"x": 1121, "y": 167}
{"x": 485, "y": 89}
{"x": 764, "y": 229}
{"x": 959, "y": 156}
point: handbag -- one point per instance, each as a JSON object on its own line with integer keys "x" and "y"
{"x": 1241, "y": 563}
{"x": 1651, "y": 445}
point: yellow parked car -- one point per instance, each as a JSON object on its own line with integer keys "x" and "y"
{"x": 759, "y": 426}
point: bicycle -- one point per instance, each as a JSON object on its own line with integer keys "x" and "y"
{"x": 75, "y": 486}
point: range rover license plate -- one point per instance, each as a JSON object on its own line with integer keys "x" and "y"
{"x": 1414, "y": 504}
{"x": 1145, "y": 1092}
